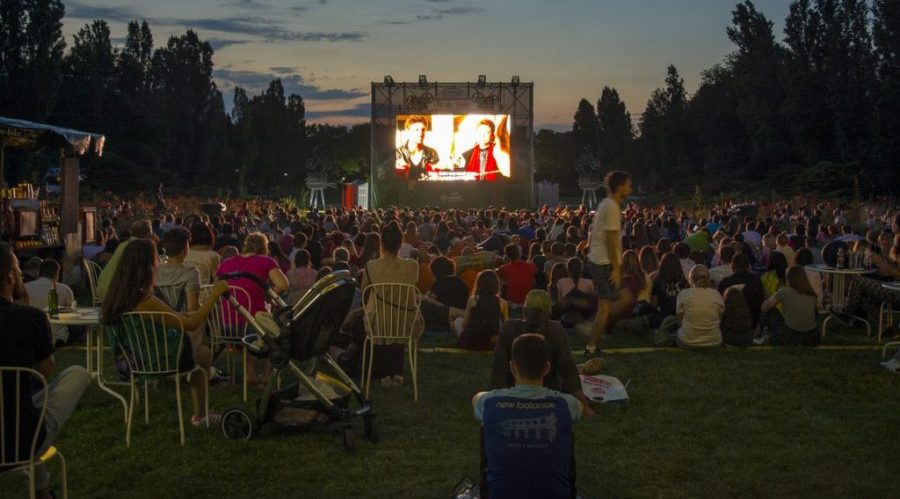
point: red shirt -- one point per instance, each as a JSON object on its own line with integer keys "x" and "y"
{"x": 519, "y": 279}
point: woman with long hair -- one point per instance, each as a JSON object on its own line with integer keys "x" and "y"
{"x": 649, "y": 261}
{"x": 485, "y": 313}
{"x": 669, "y": 282}
{"x": 132, "y": 290}
{"x": 773, "y": 278}
{"x": 371, "y": 249}
{"x": 796, "y": 325}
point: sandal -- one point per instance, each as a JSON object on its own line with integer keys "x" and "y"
{"x": 213, "y": 417}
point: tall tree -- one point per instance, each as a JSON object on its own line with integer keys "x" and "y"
{"x": 886, "y": 36}
{"x": 722, "y": 142}
{"x": 31, "y": 53}
{"x": 182, "y": 77}
{"x": 831, "y": 77}
{"x": 757, "y": 63}
{"x": 615, "y": 128}
{"x": 90, "y": 86}
{"x": 586, "y": 128}
{"x": 664, "y": 134}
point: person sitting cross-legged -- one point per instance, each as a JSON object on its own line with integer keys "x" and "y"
{"x": 528, "y": 429}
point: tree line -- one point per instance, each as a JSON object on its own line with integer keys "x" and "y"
{"x": 164, "y": 117}
{"x": 817, "y": 110}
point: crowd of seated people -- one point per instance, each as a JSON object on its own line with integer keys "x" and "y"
{"x": 560, "y": 250}
{"x": 699, "y": 280}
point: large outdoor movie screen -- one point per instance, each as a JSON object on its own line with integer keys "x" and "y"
{"x": 451, "y": 147}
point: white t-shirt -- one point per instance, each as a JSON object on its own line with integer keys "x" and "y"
{"x": 718, "y": 273}
{"x": 702, "y": 309}
{"x": 38, "y": 291}
{"x": 608, "y": 218}
{"x": 206, "y": 262}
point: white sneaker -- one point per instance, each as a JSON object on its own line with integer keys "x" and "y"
{"x": 892, "y": 366}
{"x": 761, "y": 340}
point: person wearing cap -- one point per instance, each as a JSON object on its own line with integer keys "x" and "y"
{"x": 563, "y": 375}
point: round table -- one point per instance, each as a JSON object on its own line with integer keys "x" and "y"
{"x": 840, "y": 289}
{"x": 89, "y": 317}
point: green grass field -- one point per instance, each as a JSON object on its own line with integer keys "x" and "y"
{"x": 733, "y": 423}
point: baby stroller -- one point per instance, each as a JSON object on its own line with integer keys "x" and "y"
{"x": 296, "y": 340}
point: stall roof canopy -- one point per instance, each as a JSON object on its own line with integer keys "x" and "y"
{"x": 23, "y": 134}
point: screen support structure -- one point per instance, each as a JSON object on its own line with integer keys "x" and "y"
{"x": 402, "y": 98}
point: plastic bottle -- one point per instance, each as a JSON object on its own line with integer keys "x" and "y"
{"x": 841, "y": 259}
{"x": 53, "y": 300}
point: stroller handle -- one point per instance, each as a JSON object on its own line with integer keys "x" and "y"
{"x": 273, "y": 296}
{"x": 246, "y": 275}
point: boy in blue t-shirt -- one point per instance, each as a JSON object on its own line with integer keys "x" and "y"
{"x": 528, "y": 428}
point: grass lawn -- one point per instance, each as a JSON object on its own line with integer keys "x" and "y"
{"x": 745, "y": 423}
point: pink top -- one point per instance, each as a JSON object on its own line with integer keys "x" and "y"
{"x": 255, "y": 264}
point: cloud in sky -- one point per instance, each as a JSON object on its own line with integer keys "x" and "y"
{"x": 267, "y": 29}
{"x": 254, "y": 82}
{"x": 437, "y": 14}
{"x": 363, "y": 110}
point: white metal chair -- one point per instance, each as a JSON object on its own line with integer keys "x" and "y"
{"x": 886, "y": 314}
{"x": 11, "y": 378}
{"x": 152, "y": 354}
{"x": 92, "y": 273}
{"x": 392, "y": 316}
{"x": 226, "y": 328}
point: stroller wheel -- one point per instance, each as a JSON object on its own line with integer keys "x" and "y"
{"x": 238, "y": 424}
{"x": 348, "y": 441}
{"x": 369, "y": 429}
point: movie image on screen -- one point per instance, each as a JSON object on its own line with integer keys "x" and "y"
{"x": 450, "y": 147}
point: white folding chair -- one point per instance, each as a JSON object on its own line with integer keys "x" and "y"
{"x": 144, "y": 340}
{"x": 227, "y": 327}
{"x": 392, "y": 317}
{"x": 886, "y": 314}
{"x": 92, "y": 272}
{"x": 11, "y": 379}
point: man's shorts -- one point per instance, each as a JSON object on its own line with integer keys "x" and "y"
{"x": 601, "y": 275}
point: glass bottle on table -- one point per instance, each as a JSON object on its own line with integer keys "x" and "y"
{"x": 53, "y": 300}
{"x": 840, "y": 261}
